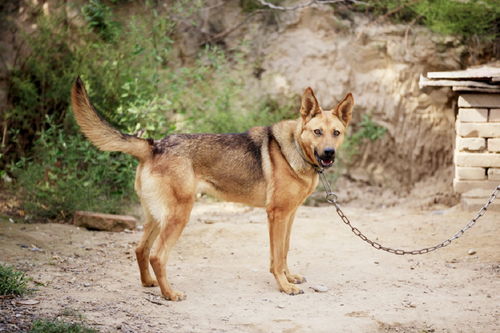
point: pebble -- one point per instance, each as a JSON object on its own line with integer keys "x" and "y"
{"x": 27, "y": 302}
{"x": 319, "y": 288}
{"x": 471, "y": 252}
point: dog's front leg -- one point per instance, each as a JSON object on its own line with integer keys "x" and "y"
{"x": 293, "y": 278}
{"x": 278, "y": 223}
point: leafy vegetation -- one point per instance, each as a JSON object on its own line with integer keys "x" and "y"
{"x": 133, "y": 84}
{"x": 477, "y": 18}
{"x": 366, "y": 130}
{"x": 12, "y": 282}
{"x": 100, "y": 19}
{"x": 56, "y": 326}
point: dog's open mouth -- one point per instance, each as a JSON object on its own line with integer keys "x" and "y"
{"x": 324, "y": 161}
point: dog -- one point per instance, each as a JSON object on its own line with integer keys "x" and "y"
{"x": 274, "y": 167}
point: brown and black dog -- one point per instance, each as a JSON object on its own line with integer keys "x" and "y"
{"x": 274, "y": 167}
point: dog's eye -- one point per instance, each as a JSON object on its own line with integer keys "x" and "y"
{"x": 336, "y": 133}
{"x": 318, "y": 132}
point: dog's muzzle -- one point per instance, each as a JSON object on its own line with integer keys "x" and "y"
{"x": 327, "y": 158}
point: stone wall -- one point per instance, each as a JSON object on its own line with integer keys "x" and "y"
{"x": 477, "y": 152}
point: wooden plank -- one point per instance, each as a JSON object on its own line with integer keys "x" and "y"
{"x": 451, "y": 83}
{"x": 474, "y": 89}
{"x": 471, "y": 73}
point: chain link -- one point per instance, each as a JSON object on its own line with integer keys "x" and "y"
{"x": 332, "y": 199}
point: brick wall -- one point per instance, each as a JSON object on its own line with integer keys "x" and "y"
{"x": 477, "y": 149}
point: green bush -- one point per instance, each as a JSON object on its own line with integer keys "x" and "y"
{"x": 133, "y": 85}
{"x": 56, "y": 326}
{"x": 469, "y": 18}
{"x": 465, "y": 18}
{"x": 12, "y": 282}
{"x": 365, "y": 130}
{"x": 100, "y": 19}
{"x": 66, "y": 173}
{"x": 57, "y": 170}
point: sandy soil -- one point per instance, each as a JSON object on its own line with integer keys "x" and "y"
{"x": 221, "y": 262}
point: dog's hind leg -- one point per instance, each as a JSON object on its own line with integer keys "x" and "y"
{"x": 151, "y": 229}
{"x": 293, "y": 278}
{"x": 180, "y": 203}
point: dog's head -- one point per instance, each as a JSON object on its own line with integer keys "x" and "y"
{"x": 322, "y": 132}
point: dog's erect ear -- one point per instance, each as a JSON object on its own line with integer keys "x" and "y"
{"x": 310, "y": 105}
{"x": 344, "y": 109}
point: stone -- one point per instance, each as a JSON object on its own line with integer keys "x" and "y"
{"x": 104, "y": 222}
{"x": 479, "y": 100}
{"x": 470, "y": 144}
{"x": 482, "y": 187}
{"x": 471, "y": 173}
{"x": 473, "y": 115}
{"x": 319, "y": 288}
{"x": 480, "y": 193}
{"x": 494, "y": 115}
{"x": 494, "y": 145}
{"x": 485, "y": 130}
{"x": 484, "y": 160}
{"x": 475, "y": 204}
{"x": 494, "y": 173}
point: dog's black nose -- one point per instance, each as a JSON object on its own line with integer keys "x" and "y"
{"x": 329, "y": 152}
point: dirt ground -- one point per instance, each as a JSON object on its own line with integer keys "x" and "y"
{"x": 221, "y": 262}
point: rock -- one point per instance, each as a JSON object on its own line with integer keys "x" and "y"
{"x": 319, "y": 288}
{"x": 104, "y": 222}
{"x": 471, "y": 252}
{"x": 27, "y": 302}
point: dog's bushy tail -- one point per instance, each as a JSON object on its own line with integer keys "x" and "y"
{"x": 99, "y": 131}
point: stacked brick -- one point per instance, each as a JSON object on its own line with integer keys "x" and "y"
{"x": 477, "y": 152}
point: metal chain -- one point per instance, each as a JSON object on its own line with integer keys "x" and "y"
{"x": 332, "y": 198}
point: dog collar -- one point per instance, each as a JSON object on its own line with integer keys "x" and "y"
{"x": 316, "y": 167}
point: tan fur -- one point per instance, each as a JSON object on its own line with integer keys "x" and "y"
{"x": 272, "y": 167}
{"x": 99, "y": 132}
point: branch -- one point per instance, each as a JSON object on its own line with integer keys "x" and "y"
{"x": 265, "y": 3}
{"x": 307, "y": 4}
{"x": 395, "y": 10}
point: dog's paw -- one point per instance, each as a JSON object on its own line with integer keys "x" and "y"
{"x": 292, "y": 290}
{"x": 295, "y": 278}
{"x": 175, "y": 296}
{"x": 150, "y": 283}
